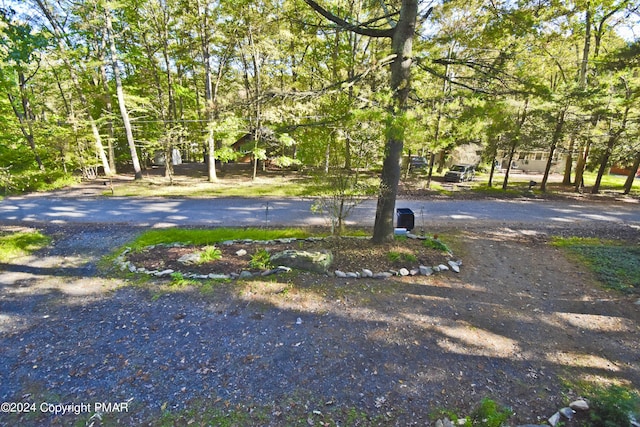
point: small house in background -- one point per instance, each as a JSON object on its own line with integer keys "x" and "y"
{"x": 467, "y": 154}
{"x": 532, "y": 161}
{"x": 176, "y": 158}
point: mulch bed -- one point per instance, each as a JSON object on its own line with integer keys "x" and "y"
{"x": 350, "y": 254}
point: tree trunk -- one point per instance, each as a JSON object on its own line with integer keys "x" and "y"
{"x": 120, "y": 93}
{"x": 516, "y": 140}
{"x": 632, "y": 175}
{"x": 568, "y": 164}
{"x": 107, "y": 104}
{"x": 557, "y": 133}
{"x": 402, "y": 43}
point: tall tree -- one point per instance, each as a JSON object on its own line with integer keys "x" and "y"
{"x": 120, "y": 91}
{"x": 58, "y": 34}
{"x": 401, "y": 34}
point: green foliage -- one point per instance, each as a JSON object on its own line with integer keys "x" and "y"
{"x": 178, "y": 280}
{"x": 611, "y": 407}
{"x": 436, "y": 244}
{"x": 490, "y": 414}
{"x": 487, "y": 414}
{"x": 261, "y": 259}
{"x": 617, "y": 266}
{"x": 209, "y": 254}
{"x": 19, "y": 244}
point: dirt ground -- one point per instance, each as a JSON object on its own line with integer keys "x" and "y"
{"x": 521, "y": 323}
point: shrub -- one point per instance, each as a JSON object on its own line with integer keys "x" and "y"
{"x": 210, "y": 253}
{"x": 612, "y": 407}
{"x": 261, "y": 260}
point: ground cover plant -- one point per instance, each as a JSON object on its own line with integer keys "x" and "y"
{"x": 616, "y": 264}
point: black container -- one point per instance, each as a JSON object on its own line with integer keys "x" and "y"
{"x": 405, "y": 218}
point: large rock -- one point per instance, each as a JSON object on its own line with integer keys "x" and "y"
{"x": 318, "y": 262}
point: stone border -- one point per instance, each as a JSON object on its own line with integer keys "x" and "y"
{"x": 123, "y": 264}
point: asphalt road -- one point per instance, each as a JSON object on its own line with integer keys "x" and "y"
{"x": 160, "y": 212}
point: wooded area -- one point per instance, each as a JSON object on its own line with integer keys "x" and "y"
{"x": 98, "y": 85}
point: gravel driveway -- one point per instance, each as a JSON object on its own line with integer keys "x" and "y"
{"x": 517, "y": 324}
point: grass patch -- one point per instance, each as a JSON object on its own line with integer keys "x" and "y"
{"x": 206, "y": 237}
{"x": 616, "y": 265}
{"x": 434, "y": 243}
{"x": 19, "y": 244}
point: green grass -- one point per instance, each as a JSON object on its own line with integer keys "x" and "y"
{"x": 212, "y": 236}
{"x": 19, "y": 244}
{"x": 616, "y": 265}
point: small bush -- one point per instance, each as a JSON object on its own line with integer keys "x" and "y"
{"x": 490, "y": 414}
{"x": 611, "y": 407}
{"x": 210, "y": 253}
{"x": 261, "y": 260}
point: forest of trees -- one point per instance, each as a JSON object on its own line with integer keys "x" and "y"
{"x": 98, "y": 85}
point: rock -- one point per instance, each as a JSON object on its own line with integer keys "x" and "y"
{"x": 637, "y": 302}
{"x": 245, "y": 274}
{"x": 228, "y": 242}
{"x": 532, "y": 425}
{"x": 425, "y": 271}
{"x": 214, "y": 276}
{"x": 283, "y": 269}
{"x": 414, "y": 272}
{"x": 567, "y": 412}
{"x": 367, "y": 273}
{"x": 579, "y": 405}
{"x": 189, "y": 259}
{"x": 444, "y": 423}
{"x": 269, "y": 272}
{"x": 403, "y": 272}
{"x": 554, "y": 419}
{"x": 436, "y": 269}
{"x": 412, "y": 236}
{"x": 352, "y": 275}
{"x": 241, "y": 252}
{"x": 454, "y": 266}
{"x": 164, "y": 273}
{"x": 383, "y": 275}
{"x": 318, "y": 262}
{"x": 443, "y": 267}
{"x": 340, "y": 274}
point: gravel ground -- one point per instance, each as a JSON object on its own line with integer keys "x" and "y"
{"x": 517, "y": 324}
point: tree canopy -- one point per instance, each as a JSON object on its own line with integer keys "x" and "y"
{"x": 96, "y": 85}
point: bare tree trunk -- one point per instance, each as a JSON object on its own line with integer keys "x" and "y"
{"x": 516, "y": 140}
{"x": 120, "y": 93}
{"x": 108, "y": 105}
{"x": 632, "y": 175}
{"x": 26, "y": 118}
{"x": 557, "y": 133}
